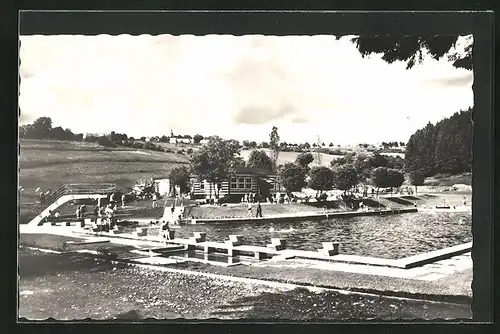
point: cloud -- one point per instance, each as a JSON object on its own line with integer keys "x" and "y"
{"x": 234, "y": 86}
{"x": 26, "y": 119}
{"x": 264, "y": 115}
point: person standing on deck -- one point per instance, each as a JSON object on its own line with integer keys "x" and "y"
{"x": 165, "y": 229}
{"x": 83, "y": 210}
{"x": 42, "y": 196}
{"x": 155, "y": 198}
{"x": 172, "y": 210}
{"x": 259, "y": 210}
{"x": 249, "y": 209}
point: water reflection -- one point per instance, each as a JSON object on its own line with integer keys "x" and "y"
{"x": 393, "y": 236}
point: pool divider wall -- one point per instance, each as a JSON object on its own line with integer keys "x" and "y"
{"x": 433, "y": 256}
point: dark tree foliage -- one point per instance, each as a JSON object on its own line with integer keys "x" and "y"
{"x": 417, "y": 179}
{"x": 42, "y": 129}
{"x": 215, "y": 162}
{"x": 384, "y": 177}
{"x": 292, "y": 177}
{"x": 395, "y": 162}
{"x": 260, "y": 159}
{"x": 344, "y": 177}
{"x": 442, "y": 148}
{"x": 304, "y": 159}
{"x": 179, "y": 176}
{"x": 378, "y": 160}
{"x": 197, "y": 138}
{"x": 410, "y": 48}
{"x": 321, "y": 178}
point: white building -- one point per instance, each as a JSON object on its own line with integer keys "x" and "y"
{"x": 162, "y": 186}
{"x": 177, "y": 140}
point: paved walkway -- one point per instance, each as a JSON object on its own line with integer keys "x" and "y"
{"x": 428, "y": 272}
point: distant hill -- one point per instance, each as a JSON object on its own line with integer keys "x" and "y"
{"x": 285, "y": 157}
{"x": 443, "y": 148}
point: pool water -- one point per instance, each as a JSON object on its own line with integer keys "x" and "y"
{"x": 392, "y": 237}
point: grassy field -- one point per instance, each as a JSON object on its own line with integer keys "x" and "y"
{"x": 449, "y": 180}
{"x": 285, "y": 157}
{"x": 47, "y": 164}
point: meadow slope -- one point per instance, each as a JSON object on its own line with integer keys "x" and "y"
{"x": 47, "y": 164}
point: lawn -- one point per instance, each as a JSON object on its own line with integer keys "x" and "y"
{"x": 208, "y": 212}
{"x": 285, "y": 157}
{"x": 74, "y": 286}
{"x": 449, "y": 180}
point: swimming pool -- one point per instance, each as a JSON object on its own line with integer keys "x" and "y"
{"x": 392, "y": 237}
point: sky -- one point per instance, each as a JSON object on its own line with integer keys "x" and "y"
{"x": 233, "y": 86}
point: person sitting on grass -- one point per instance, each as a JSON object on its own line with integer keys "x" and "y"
{"x": 47, "y": 217}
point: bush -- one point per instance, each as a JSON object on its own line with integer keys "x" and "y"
{"x": 148, "y": 146}
{"x": 105, "y": 141}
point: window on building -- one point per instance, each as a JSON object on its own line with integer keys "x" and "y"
{"x": 248, "y": 183}
{"x": 241, "y": 183}
{"x": 202, "y": 185}
{"x": 233, "y": 183}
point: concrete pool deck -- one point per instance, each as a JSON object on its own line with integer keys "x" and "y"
{"x": 156, "y": 241}
{"x": 427, "y": 266}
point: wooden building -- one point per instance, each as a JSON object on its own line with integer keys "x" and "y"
{"x": 245, "y": 180}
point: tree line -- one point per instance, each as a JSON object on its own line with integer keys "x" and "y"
{"x": 216, "y": 162}
{"x": 42, "y": 129}
{"x": 443, "y": 148}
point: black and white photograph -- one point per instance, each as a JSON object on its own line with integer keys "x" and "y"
{"x": 252, "y": 177}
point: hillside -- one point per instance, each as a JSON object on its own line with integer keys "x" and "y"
{"x": 285, "y": 157}
{"x": 47, "y": 164}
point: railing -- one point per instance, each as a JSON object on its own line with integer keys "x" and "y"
{"x": 72, "y": 189}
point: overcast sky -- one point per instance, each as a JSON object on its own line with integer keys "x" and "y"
{"x": 233, "y": 86}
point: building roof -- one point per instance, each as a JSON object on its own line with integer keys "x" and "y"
{"x": 254, "y": 171}
{"x": 250, "y": 171}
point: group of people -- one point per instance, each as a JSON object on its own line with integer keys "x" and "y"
{"x": 258, "y": 212}
{"x": 276, "y": 198}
